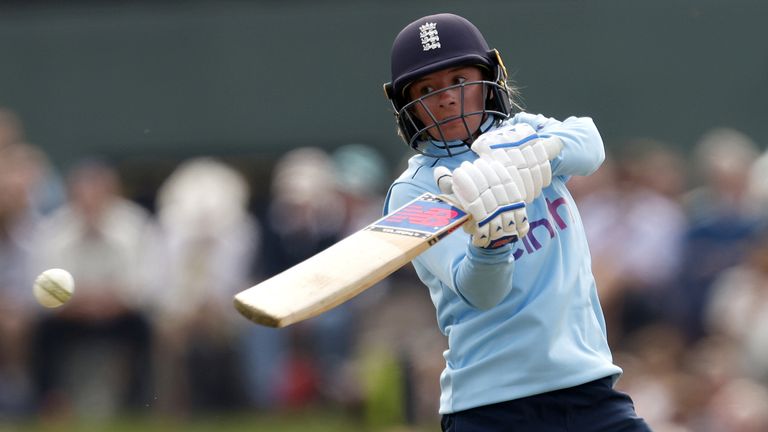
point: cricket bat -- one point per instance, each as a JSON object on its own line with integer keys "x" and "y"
{"x": 352, "y": 265}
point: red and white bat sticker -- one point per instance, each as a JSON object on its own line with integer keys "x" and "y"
{"x": 423, "y": 217}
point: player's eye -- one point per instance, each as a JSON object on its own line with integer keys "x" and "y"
{"x": 425, "y": 90}
{"x": 459, "y": 80}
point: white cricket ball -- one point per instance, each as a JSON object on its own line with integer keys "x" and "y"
{"x": 54, "y": 287}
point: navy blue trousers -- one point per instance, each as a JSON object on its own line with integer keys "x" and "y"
{"x": 591, "y": 407}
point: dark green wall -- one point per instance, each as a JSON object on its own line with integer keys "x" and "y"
{"x": 172, "y": 79}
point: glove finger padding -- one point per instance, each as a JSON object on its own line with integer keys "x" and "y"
{"x": 528, "y": 183}
{"x": 507, "y": 217}
{"x": 496, "y": 175}
{"x": 535, "y": 169}
{"x": 552, "y": 147}
{"x": 545, "y": 150}
{"x": 444, "y": 179}
{"x": 520, "y": 146}
{"x": 468, "y": 183}
{"x": 515, "y": 222}
{"x": 516, "y": 135}
{"x": 521, "y": 221}
{"x": 511, "y": 193}
{"x": 543, "y": 161}
{"x": 494, "y": 195}
{"x": 489, "y": 230}
{"x": 480, "y": 236}
{"x": 487, "y": 191}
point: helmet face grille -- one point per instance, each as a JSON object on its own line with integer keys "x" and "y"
{"x": 430, "y": 139}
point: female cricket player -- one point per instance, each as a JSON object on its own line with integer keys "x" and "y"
{"x": 514, "y": 293}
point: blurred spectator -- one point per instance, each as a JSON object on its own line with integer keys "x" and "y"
{"x": 660, "y": 167}
{"x": 306, "y": 214}
{"x": 722, "y": 222}
{"x": 635, "y": 228}
{"x": 361, "y": 176}
{"x": 210, "y": 244}
{"x": 696, "y": 375}
{"x": 758, "y": 186}
{"x": 18, "y": 227}
{"x": 46, "y": 191}
{"x": 655, "y": 179}
{"x": 740, "y": 406}
{"x": 653, "y": 360}
{"x": 91, "y": 357}
{"x": 739, "y": 309}
{"x": 723, "y": 158}
{"x": 720, "y": 397}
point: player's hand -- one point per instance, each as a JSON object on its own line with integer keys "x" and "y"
{"x": 491, "y": 196}
{"x": 519, "y": 146}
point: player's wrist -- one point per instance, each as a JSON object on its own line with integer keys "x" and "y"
{"x": 485, "y": 254}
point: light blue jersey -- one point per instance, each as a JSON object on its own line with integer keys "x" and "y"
{"x": 523, "y": 319}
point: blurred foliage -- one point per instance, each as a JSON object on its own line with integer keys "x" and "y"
{"x": 384, "y": 389}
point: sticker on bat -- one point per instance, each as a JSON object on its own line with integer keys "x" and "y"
{"x": 423, "y": 217}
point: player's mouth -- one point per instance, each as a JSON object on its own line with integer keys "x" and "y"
{"x": 454, "y": 128}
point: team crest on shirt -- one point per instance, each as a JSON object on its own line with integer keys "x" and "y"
{"x": 429, "y": 37}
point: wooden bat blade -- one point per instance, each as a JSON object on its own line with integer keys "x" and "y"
{"x": 350, "y": 266}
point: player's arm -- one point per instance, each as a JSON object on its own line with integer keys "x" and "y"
{"x": 481, "y": 276}
{"x": 582, "y": 152}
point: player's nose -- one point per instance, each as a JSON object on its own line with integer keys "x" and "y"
{"x": 448, "y": 97}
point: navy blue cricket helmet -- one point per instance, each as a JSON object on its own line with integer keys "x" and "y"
{"x": 436, "y": 42}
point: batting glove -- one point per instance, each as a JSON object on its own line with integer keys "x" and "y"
{"x": 491, "y": 196}
{"x": 521, "y": 150}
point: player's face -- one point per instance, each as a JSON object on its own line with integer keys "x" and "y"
{"x": 448, "y": 103}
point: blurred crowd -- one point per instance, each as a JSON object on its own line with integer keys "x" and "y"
{"x": 680, "y": 255}
{"x": 678, "y": 241}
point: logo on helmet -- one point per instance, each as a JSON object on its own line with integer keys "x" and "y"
{"x": 429, "y": 37}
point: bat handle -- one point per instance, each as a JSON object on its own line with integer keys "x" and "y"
{"x": 450, "y": 199}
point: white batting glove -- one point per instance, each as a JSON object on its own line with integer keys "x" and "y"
{"x": 519, "y": 146}
{"x": 486, "y": 191}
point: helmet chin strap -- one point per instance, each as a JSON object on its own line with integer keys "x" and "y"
{"x": 488, "y": 121}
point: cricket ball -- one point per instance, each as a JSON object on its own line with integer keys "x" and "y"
{"x": 53, "y": 287}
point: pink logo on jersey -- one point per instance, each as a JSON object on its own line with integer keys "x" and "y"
{"x": 531, "y": 243}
